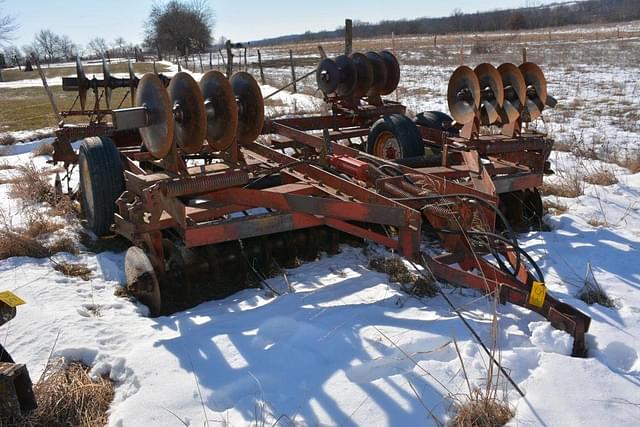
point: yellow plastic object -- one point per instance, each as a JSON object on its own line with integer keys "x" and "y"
{"x": 538, "y": 294}
{"x": 11, "y": 299}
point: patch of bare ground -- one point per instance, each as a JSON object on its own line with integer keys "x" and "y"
{"x": 68, "y": 396}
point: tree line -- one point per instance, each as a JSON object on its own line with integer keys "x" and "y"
{"x": 530, "y": 17}
{"x": 179, "y": 27}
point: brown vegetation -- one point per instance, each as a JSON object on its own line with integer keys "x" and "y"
{"x": 7, "y": 139}
{"x": 398, "y": 272}
{"x": 569, "y": 185}
{"x": 68, "y": 396}
{"x": 601, "y": 176}
{"x": 480, "y": 411}
{"x": 73, "y": 269}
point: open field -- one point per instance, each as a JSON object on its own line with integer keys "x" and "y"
{"x": 344, "y": 344}
{"x": 24, "y": 104}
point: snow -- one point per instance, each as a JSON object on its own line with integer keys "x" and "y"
{"x": 346, "y": 346}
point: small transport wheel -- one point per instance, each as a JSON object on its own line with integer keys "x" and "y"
{"x": 435, "y": 120}
{"x": 142, "y": 280}
{"x": 101, "y": 182}
{"x": 395, "y": 137}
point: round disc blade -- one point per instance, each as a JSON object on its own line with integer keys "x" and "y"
{"x": 157, "y": 136}
{"x": 83, "y": 84}
{"x": 463, "y": 94}
{"x": 220, "y": 108}
{"x": 348, "y": 75}
{"x": 379, "y": 74}
{"x": 142, "y": 281}
{"x": 491, "y": 92}
{"x": 328, "y": 76}
{"x": 364, "y": 71}
{"x": 513, "y": 82}
{"x": 188, "y": 108}
{"x": 393, "y": 72}
{"x": 536, "y": 88}
{"x": 250, "y": 107}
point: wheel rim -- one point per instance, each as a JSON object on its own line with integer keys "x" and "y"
{"x": 87, "y": 191}
{"x": 387, "y": 146}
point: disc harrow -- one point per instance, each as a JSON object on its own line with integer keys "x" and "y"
{"x": 209, "y": 206}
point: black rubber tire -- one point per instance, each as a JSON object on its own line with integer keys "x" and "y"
{"x": 435, "y": 120}
{"x": 404, "y": 131}
{"x": 101, "y": 182}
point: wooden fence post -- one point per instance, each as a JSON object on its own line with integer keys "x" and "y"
{"x": 260, "y": 65}
{"x": 293, "y": 72}
{"x": 348, "y": 37}
{"x": 524, "y": 55}
{"x": 229, "y": 59}
{"x": 210, "y": 59}
{"x": 201, "y": 66}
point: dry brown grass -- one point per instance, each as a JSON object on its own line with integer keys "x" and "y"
{"x": 398, "y": 272}
{"x": 7, "y": 139}
{"x": 31, "y": 239}
{"x": 68, "y": 396}
{"x": 18, "y": 243}
{"x": 6, "y": 166}
{"x": 73, "y": 269}
{"x": 592, "y": 293}
{"x": 630, "y": 161}
{"x": 554, "y": 207}
{"x": 33, "y": 185}
{"x": 565, "y": 189}
{"x": 601, "y": 176}
{"x": 480, "y": 411}
{"x": 42, "y": 150}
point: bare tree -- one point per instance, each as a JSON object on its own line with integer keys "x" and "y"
{"x": 7, "y": 26}
{"x": 49, "y": 43}
{"x": 120, "y": 46}
{"x": 179, "y": 26}
{"x": 98, "y": 46}
{"x": 11, "y": 53}
{"x": 66, "y": 47}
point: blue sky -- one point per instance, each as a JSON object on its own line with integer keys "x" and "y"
{"x": 239, "y": 20}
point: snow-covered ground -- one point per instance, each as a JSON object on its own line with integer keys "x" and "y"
{"x": 346, "y": 346}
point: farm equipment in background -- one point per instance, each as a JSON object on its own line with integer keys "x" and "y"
{"x": 216, "y": 193}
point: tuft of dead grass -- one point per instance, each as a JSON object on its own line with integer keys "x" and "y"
{"x": 602, "y": 176}
{"x": 73, "y": 269}
{"x": 7, "y": 139}
{"x": 68, "y": 396}
{"x": 479, "y": 411}
{"x": 6, "y": 166}
{"x": 569, "y": 185}
{"x": 42, "y": 150}
{"x": 554, "y": 207}
{"x": 18, "y": 243}
{"x": 33, "y": 185}
{"x": 398, "y": 272}
{"x": 592, "y": 293}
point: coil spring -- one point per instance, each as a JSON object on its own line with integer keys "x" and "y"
{"x": 440, "y": 211}
{"x": 206, "y": 183}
